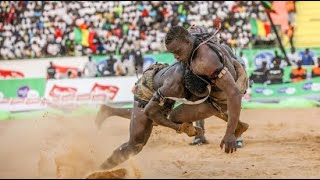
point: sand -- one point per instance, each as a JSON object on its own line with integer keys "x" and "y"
{"x": 280, "y": 143}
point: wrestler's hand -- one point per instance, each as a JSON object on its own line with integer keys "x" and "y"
{"x": 191, "y": 130}
{"x": 229, "y": 142}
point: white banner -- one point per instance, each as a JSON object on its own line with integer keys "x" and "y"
{"x": 22, "y": 104}
{"x": 91, "y": 91}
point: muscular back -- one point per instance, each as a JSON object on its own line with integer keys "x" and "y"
{"x": 171, "y": 80}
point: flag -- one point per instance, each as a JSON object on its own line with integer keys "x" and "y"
{"x": 85, "y": 37}
{"x": 268, "y": 7}
{"x": 77, "y": 35}
{"x": 259, "y": 28}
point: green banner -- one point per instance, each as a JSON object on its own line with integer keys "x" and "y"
{"x": 32, "y": 87}
{"x": 254, "y": 56}
{"x": 307, "y": 88}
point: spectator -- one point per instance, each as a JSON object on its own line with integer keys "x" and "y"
{"x": 108, "y": 69}
{"x": 293, "y": 56}
{"x": 51, "y": 71}
{"x": 299, "y": 73}
{"x": 71, "y": 75}
{"x": 307, "y": 59}
{"x": 278, "y": 60}
{"x": 245, "y": 60}
{"x": 42, "y": 31}
{"x": 79, "y": 74}
{"x": 260, "y": 75}
{"x": 290, "y": 34}
{"x": 120, "y": 68}
{"x": 275, "y": 74}
{"x": 316, "y": 70}
{"x": 291, "y": 8}
{"x": 90, "y": 68}
{"x": 138, "y": 60}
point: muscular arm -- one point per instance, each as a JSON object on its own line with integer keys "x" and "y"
{"x": 172, "y": 87}
{"x": 241, "y": 76}
{"x": 228, "y": 85}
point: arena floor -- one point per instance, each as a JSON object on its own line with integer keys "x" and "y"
{"x": 280, "y": 143}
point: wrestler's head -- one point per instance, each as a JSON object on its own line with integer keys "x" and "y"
{"x": 179, "y": 42}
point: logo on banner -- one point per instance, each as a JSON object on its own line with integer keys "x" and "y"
{"x": 311, "y": 86}
{"x": 57, "y": 91}
{"x": 264, "y": 56}
{"x": 286, "y": 90}
{"x": 27, "y": 92}
{"x": 263, "y": 91}
{"x": 10, "y": 74}
{"x": 110, "y": 91}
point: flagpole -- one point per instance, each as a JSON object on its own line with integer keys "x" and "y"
{"x": 278, "y": 38}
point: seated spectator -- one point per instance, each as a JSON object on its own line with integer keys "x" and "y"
{"x": 51, "y": 71}
{"x": 299, "y": 73}
{"x": 79, "y": 74}
{"x": 316, "y": 70}
{"x": 108, "y": 69}
{"x": 71, "y": 75}
{"x": 275, "y": 74}
{"x": 120, "y": 68}
{"x": 306, "y": 58}
{"x": 260, "y": 75}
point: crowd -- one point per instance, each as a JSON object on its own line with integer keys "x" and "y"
{"x": 31, "y": 29}
{"x": 274, "y": 73}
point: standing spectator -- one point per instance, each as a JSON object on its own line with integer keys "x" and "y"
{"x": 245, "y": 60}
{"x": 138, "y": 60}
{"x": 307, "y": 58}
{"x": 51, "y": 71}
{"x": 290, "y": 34}
{"x": 316, "y": 70}
{"x": 291, "y": 8}
{"x": 299, "y": 73}
{"x": 90, "y": 68}
{"x": 278, "y": 60}
{"x": 293, "y": 56}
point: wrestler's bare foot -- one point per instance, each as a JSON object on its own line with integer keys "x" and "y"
{"x": 199, "y": 140}
{"x": 243, "y": 127}
{"x": 102, "y": 115}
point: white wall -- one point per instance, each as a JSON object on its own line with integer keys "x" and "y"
{"x": 38, "y": 68}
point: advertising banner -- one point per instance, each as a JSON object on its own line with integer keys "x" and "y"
{"x": 92, "y": 90}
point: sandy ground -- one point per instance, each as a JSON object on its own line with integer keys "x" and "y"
{"x": 280, "y": 143}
